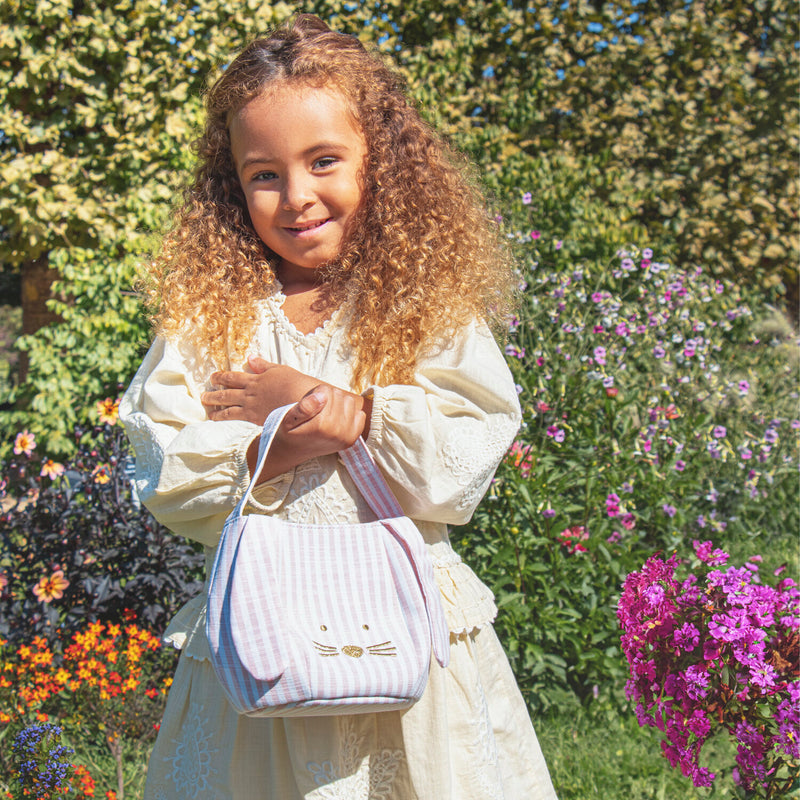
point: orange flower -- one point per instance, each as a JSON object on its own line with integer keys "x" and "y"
{"x": 24, "y": 443}
{"x": 52, "y": 469}
{"x": 51, "y": 588}
{"x": 3, "y": 584}
{"x": 108, "y": 410}
{"x": 101, "y": 473}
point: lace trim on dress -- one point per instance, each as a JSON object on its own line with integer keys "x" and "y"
{"x": 324, "y": 331}
{"x": 472, "y": 451}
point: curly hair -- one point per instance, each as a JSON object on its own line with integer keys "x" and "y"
{"x": 421, "y": 258}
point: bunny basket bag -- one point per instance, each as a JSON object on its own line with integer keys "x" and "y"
{"x": 324, "y": 619}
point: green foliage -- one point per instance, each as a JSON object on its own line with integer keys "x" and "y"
{"x": 618, "y": 118}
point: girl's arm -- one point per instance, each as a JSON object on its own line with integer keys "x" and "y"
{"x": 325, "y": 420}
{"x": 439, "y": 440}
{"x": 190, "y": 470}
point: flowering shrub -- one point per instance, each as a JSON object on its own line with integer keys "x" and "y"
{"x": 659, "y": 404}
{"x": 42, "y": 768}
{"x": 715, "y": 650}
{"x": 109, "y": 685}
{"x": 76, "y": 545}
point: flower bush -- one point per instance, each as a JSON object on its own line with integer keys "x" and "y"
{"x": 77, "y": 546}
{"x": 659, "y": 405}
{"x": 108, "y": 685}
{"x": 716, "y": 650}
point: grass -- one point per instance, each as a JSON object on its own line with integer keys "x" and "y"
{"x": 601, "y": 753}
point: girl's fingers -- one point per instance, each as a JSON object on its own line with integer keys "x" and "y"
{"x": 306, "y": 409}
{"x": 222, "y": 397}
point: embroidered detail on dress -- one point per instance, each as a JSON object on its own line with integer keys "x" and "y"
{"x": 192, "y": 762}
{"x": 149, "y": 451}
{"x": 314, "y": 497}
{"x": 471, "y": 453}
{"x": 483, "y": 750}
{"x": 370, "y": 776}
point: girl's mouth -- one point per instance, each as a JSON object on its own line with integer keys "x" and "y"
{"x": 308, "y": 226}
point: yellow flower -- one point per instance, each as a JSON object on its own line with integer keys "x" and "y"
{"x": 24, "y": 443}
{"x": 101, "y": 473}
{"x": 108, "y": 410}
{"x": 51, "y": 588}
{"x": 52, "y": 469}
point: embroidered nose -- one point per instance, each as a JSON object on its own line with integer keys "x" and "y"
{"x": 352, "y": 651}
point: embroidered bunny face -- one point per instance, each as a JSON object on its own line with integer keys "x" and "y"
{"x": 352, "y": 650}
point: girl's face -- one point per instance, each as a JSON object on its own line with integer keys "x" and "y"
{"x": 298, "y": 154}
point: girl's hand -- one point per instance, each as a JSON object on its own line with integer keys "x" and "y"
{"x": 252, "y": 396}
{"x": 326, "y": 420}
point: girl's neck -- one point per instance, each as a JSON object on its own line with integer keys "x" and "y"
{"x": 306, "y": 306}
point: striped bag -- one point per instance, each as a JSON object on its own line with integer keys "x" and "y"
{"x": 324, "y": 619}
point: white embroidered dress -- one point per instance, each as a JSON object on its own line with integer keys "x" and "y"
{"x": 438, "y": 443}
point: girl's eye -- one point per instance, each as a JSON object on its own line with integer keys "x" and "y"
{"x": 264, "y": 176}
{"x": 325, "y": 162}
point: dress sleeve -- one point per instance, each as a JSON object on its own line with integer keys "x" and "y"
{"x": 190, "y": 471}
{"x": 439, "y": 441}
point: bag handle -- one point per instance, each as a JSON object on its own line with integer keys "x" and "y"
{"x": 356, "y": 459}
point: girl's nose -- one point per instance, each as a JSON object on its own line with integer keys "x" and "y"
{"x": 297, "y": 193}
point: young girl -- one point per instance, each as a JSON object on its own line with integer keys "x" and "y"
{"x": 330, "y": 255}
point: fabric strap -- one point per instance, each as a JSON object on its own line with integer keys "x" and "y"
{"x": 356, "y": 459}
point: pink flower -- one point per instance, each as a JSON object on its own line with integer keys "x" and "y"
{"x": 24, "y": 443}
{"x": 527, "y": 197}
{"x": 535, "y": 235}
{"x": 52, "y": 469}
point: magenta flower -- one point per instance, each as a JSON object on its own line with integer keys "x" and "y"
{"x": 535, "y": 235}
{"x": 710, "y": 653}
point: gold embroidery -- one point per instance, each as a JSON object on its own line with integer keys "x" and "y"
{"x": 353, "y": 651}
{"x": 382, "y": 649}
{"x": 325, "y": 649}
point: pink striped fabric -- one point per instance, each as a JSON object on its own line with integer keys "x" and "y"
{"x": 324, "y": 619}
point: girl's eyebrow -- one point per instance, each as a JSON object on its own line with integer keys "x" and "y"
{"x": 320, "y": 146}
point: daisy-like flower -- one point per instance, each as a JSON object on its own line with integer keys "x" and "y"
{"x": 101, "y": 474}
{"x": 527, "y": 198}
{"x": 52, "y": 469}
{"x": 52, "y": 588}
{"x": 24, "y": 443}
{"x": 108, "y": 410}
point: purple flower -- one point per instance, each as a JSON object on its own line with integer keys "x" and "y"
{"x": 719, "y": 432}
{"x": 527, "y": 198}
{"x": 744, "y": 388}
{"x": 669, "y": 510}
{"x": 600, "y": 355}
{"x": 659, "y": 352}
{"x": 680, "y": 465}
{"x": 513, "y": 350}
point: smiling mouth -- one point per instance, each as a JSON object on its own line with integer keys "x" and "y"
{"x": 309, "y": 226}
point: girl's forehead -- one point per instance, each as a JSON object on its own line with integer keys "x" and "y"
{"x": 283, "y": 93}
{"x": 287, "y": 119}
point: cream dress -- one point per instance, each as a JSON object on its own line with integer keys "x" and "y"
{"x": 438, "y": 443}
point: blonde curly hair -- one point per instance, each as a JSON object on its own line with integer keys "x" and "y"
{"x": 421, "y": 258}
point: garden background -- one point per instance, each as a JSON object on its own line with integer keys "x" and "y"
{"x": 641, "y": 158}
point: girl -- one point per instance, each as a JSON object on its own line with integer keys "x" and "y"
{"x": 329, "y": 255}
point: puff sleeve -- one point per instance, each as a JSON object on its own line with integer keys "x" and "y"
{"x": 190, "y": 471}
{"x": 439, "y": 441}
